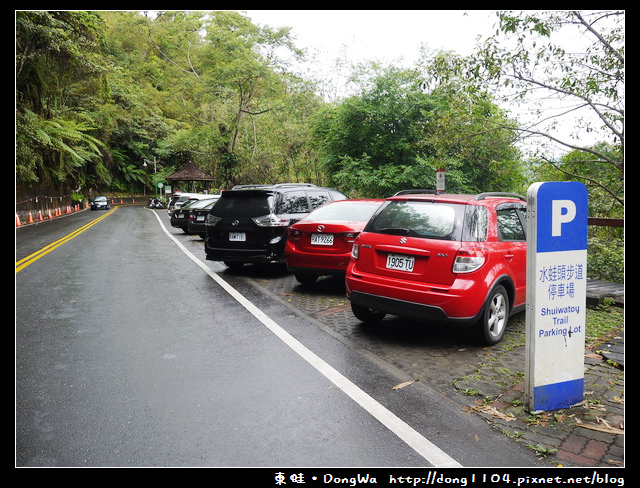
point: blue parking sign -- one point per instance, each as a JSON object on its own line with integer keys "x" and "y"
{"x": 562, "y": 216}
{"x": 556, "y": 294}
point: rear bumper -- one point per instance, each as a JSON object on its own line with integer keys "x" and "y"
{"x": 196, "y": 228}
{"x": 265, "y": 247}
{"x": 179, "y": 225}
{"x": 318, "y": 263}
{"x": 462, "y": 302}
{"x": 270, "y": 255}
{"x": 243, "y": 257}
{"x": 401, "y": 308}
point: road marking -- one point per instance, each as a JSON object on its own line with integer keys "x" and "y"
{"x": 31, "y": 258}
{"x": 410, "y": 436}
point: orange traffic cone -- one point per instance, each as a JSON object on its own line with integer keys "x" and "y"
{"x": 29, "y": 219}
{"x": 40, "y": 218}
{"x": 18, "y": 223}
{"x": 49, "y": 216}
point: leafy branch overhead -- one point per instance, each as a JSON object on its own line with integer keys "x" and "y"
{"x": 570, "y": 61}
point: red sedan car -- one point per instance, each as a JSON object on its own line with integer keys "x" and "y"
{"x": 320, "y": 244}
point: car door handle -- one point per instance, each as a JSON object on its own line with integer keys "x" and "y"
{"x": 508, "y": 256}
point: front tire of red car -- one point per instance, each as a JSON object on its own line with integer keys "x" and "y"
{"x": 494, "y": 320}
{"x": 367, "y": 315}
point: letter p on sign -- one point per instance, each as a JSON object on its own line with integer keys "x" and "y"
{"x": 562, "y": 212}
{"x": 561, "y": 216}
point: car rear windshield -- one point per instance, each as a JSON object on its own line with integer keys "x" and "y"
{"x": 432, "y": 220}
{"x": 292, "y": 202}
{"x": 243, "y": 204}
{"x": 345, "y": 211}
{"x": 196, "y": 204}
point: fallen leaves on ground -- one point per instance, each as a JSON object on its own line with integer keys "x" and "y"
{"x": 404, "y": 384}
{"x": 494, "y": 412}
{"x": 602, "y": 426}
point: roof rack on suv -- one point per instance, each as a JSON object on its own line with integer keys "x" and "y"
{"x": 277, "y": 185}
{"x": 415, "y": 191}
{"x": 489, "y": 194}
{"x": 242, "y": 187}
{"x": 280, "y": 185}
{"x": 479, "y": 196}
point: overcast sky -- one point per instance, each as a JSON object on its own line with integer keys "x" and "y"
{"x": 355, "y": 36}
{"x": 362, "y": 35}
{"x": 394, "y": 36}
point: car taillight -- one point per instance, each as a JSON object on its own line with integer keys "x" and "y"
{"x": 211, "y": 220}
{"x": 468, "y": 260}
{"x": 350, "y": 236}
{"x": 354, "y": 251}
{"x": 271, "y": 220}
{"x": 294, "y": 233}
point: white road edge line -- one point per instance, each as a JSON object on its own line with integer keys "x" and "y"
{"x": 410, "y": 436}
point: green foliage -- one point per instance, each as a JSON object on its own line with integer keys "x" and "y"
{"x": 395, "y": 134}
{"x": 52, "y": 150}
{"x": 605, "y": 183}
{"x": 57, "y": 58}
{"x": 605, "y": 259}
{"x": 573, "y": 58}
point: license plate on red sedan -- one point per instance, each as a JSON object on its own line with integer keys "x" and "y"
{"x": 400, "y": 262}
{"x": 322, "y": 239}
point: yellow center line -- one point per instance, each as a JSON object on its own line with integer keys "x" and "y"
{"x": 24, "y": 262}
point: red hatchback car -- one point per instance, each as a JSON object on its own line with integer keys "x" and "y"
{"x": 320, "y": 243}
{"x": 442, "y": 258}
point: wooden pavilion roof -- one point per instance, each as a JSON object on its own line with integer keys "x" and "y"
{"x": 190, "y": 172}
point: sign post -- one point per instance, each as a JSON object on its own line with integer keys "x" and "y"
{"x": 440, "y": 184}
{"x": 556, "y": 295}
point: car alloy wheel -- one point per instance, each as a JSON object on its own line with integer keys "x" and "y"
{"x": 496, "y": 315}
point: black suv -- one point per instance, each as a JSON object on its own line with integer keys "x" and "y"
{"x": 249, "y": 223}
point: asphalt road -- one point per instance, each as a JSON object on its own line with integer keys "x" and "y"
{"x": 132, "y": 350}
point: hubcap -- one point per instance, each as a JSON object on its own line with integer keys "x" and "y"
{"x": 497, "y": 315}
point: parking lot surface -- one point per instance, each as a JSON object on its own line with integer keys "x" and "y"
{"x": 485, "y": 381}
